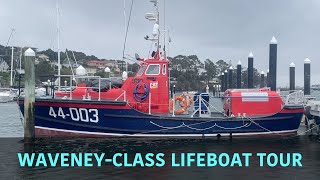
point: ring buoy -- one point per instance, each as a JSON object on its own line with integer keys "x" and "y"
{"x": 140, "y": 92}
{"x": 190, "y": 99}
{"x": 183, "y": 103}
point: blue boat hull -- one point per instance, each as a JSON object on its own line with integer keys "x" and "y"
{"x": 97, "y": 119}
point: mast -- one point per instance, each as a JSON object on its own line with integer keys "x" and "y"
{"x": 125, "y": 28}
{"x": 164, "y": 27}
{"x": 20, "y": 60}
{"x": 156, "y": 30}
{"x": 157, "y": 22}
{"x": 11, "y": 68}
{"x": 58, "y": 36}
{"x": 11, "y": 71}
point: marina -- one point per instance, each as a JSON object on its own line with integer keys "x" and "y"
{"x": 151, "y": 114}
{"x": 140, "y": 107}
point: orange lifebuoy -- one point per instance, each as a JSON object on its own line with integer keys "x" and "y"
{"x": 183, "y": 103}
{"x": 190, "y": 99}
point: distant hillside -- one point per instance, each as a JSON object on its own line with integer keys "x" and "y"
{"x": 79, "y": 56}
{"x": 187, "y": 72}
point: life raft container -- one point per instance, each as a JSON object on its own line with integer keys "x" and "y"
{"x": 183, "y": 104}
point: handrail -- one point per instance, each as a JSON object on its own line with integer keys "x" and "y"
{"x": 74, "y": 77}
{"x": 294, "y": 97}
{"x": 201, "y": 102}
{"x": 122, "y": 94}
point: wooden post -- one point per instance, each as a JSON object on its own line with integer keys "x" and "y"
{"x": 250, "y": 71}
{"x": 307, "y": 76}
{"x": 230, "y": 73}
{"x": 226, "y": 86}
{"x": 292, "y": 76}
{"x": 268, "y": 78}
{"x": 262, "y": 80}
{"x": 222, "y": 82}
{"x": 29, "y": 99}
{"x": 273, "y": 64}
{"x": 239, "y": 69}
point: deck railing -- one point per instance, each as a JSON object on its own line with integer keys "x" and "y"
{"x": 293, "y": 97}
{"x": 69, "y": 88}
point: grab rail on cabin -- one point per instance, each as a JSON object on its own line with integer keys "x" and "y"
{"x": 293, "y": 97}
{"x": 122, "y": 94}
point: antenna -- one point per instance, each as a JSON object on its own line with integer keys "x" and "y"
{"x": 164, "y": 25}
{"x": 156, "y": 30}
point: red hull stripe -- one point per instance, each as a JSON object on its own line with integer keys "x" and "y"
{"x": 300, "y": 110}
{"x": 81, "y": 105}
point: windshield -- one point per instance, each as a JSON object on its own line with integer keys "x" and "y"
{"x": 153, "y": 69}
{"x": 141, "y": 70}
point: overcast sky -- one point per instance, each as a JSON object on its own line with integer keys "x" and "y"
{"x": 214, "y": 29}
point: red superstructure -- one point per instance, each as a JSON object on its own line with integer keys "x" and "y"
{"x": 150, "y": 80}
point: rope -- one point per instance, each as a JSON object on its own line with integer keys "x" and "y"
{"x": 125, "y": 38}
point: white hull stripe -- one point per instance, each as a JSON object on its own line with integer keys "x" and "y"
{"x": 165, "y": 135}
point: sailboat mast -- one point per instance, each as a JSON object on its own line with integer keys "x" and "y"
{"x": 58, "y": 46}
{"x": 125, "y": 27}
{"x": 20, "y": 60}
{"x": 11, "y": 71}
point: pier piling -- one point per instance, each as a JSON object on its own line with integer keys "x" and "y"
{"x": 29, "y": 99}
{"x": 307, "y": 76}
{"x": 268, "y": 78}
{"x": 239, "y": 75}
{"x": 226, "y": 80}
{"x": 230, "y": 74}
{"x": 222, "y": 82}
{"x": 273, "y": 63}
{"x": 250, "y": 70}
{"x": 262, "y": 80}
{"x": 292, "y": 79}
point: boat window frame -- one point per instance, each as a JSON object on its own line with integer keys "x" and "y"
{"x": 153, "y": 65}
{"x": 143, "y": 68}
{"x": 164, "y": 69}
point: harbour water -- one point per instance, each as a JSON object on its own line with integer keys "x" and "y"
{"x": 11, "y": 133}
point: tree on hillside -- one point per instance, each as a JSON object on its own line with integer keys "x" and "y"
{"x": 221, "y": 66}
{"x": 211, "y": 69}
{"x": 43, "y": 71}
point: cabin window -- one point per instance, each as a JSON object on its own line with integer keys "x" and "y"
{"x": 153, "y": 69}
{"x": 164, "y": 69}
{"x": 141, "y": 70}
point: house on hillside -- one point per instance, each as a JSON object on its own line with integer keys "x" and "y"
{"x": 4, "y": 67}
{"x": 96, "y": 63}
{"x": 111, "y": 63}
{"x": 43, "y": 57}
{"x": 91, "y": 71}
{"x": 121, "y": 64}
{"x": 67, "y": 65}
